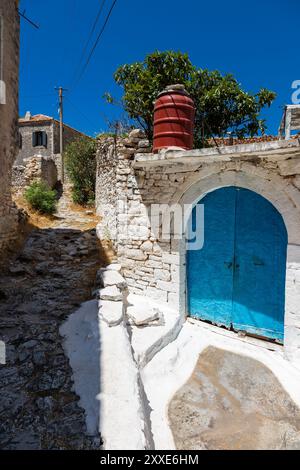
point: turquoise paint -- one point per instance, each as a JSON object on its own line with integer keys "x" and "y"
{"x": 238, "y": 278}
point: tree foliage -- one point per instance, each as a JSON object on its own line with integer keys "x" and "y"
{"x": 80, "y": 158}
{"x": 221, "y": 104}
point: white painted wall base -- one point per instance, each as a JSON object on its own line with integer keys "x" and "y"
{"x": 105, "y": 378}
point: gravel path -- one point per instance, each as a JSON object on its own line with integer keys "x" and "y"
{"x": 52, "y": 275}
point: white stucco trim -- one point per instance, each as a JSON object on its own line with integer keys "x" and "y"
{"x": 285, "y": 198}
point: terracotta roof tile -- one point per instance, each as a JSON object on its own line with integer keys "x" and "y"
{"x": 37, "y": 117}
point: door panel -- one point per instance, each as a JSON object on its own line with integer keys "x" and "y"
{"x": 209, "y": 270}
{"x": 238, "y": 278}
{"x": 259, "y": 274}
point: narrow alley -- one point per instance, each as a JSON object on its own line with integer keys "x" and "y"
{"x": 52, "y": 275}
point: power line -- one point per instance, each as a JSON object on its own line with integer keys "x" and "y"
{"x": 96, "y": 42}
{"x": 90, "y": 36}
{"x": 36, "y": 96}
{"x": 80, "y": 112}
{"x": 28, "y": 19}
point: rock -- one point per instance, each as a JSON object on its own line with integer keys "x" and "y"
{"x": 42, "y": 268}
{"x": 17, "y": 269}
{"x": 30, "y": 344}
{"x": 144, "y": 315}
{"x": 46, "y": 404}
{"x": 144, "y": 143}
{"x": 59, "y": 379}
{"x": 28, "y": 370}
{"x": 110, "y": 293}
{"x": 147, "y": 246}
{"x": 23, "y": 355}
{"x": 136, "y": 255}
{"x": 162, "y": 275}
{"x": 112, "y": 278}
{"x": 114, "y": 267}
{"x": 39, "y": 358}
{"x": 45, "y": 382}
{"x": 111, "y": 312}
{"x": 136, "y": 134}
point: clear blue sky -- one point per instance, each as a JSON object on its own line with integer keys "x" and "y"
{"x": 257, "y": 41}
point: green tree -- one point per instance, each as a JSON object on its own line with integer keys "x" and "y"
{"x": 80, "y": 158}
{"x": 221, "y": 104}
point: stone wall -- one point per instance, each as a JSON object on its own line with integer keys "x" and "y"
{"x": 37, "y": 168}
{"x": 8, "y": 119}
{"x": 130, "y": 179}
{"x": 123, "y": 198}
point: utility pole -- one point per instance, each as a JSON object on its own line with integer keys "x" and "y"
{"x": 61, "y": 137}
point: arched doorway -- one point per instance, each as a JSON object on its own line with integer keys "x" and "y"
{"x": 238, "y": 278}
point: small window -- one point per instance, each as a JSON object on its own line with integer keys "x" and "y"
{"x": 39, "y": 139}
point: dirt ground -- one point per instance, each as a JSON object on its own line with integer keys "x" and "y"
{"x": 233, "y": 402}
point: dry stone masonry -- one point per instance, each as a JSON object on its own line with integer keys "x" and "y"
{"x": 37, "y": 168}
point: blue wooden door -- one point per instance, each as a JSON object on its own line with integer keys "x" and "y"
{"x": 238, "y": 278}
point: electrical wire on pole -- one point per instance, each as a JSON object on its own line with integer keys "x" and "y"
{"x": 23, "y": 15}
{"x": 96, "y": 42}
{"x": 89, "y": 40}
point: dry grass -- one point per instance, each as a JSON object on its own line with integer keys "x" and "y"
{"x": 36, "y": 219}
{"x": 41, "y": 221}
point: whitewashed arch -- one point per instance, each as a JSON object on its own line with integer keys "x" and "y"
{"x": 285, "y": 198}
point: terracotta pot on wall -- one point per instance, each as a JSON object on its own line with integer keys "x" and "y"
{"x": 174, "y": 115}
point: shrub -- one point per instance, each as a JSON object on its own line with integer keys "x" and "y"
{"x": 41, "y": 197}
{"x": 80, "y": 160}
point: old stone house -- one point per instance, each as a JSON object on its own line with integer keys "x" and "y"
{"x": 246, "y": 283}
{"x": 9, "y": 68}
{"x": 40, "y": 135}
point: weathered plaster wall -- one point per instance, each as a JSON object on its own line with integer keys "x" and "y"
{"x": 156, "y": 267}
{"x": 8, "y": 119}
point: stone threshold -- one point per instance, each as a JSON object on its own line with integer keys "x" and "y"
{"x": 251, "y": 340}
{"x": 148, "y": 340}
